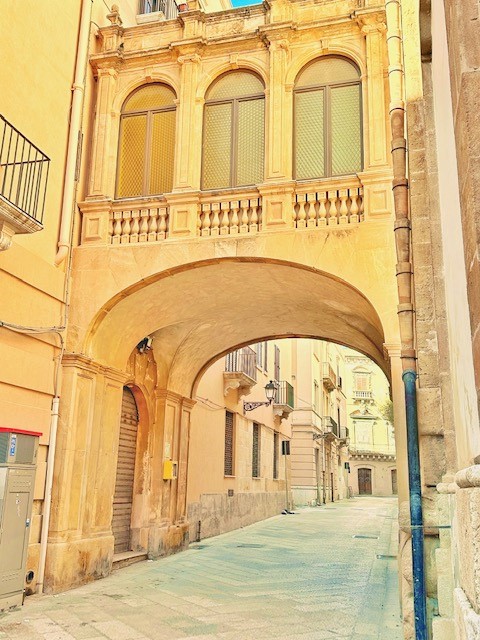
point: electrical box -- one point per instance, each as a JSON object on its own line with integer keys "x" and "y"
{"x": 170, "y": 469}
{"x": 18, "y": 456}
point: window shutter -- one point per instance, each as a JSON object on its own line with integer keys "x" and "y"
{"x": 216, "y": 147}
{"x": 162, "y": 152}
{"x": 256, "y": 450}
{"x": 346, "y": 130}
{"x": 132, "y": 156}
{"x": 275, "y": 455}
{"x": 309, "y": 135}
{"x": 250, "y": 142}
{"x": 228, "y": 443}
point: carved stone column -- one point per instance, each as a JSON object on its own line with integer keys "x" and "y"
{"x": 101, "y": 165}
{"x": 80, "y": 540}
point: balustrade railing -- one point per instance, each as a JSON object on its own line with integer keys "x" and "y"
{"x": 363, "y": 395}
{"x": 242, "y": 361}
{"x": 23, "y": 172}
{"x": 230, "y": 217}
{"x": 332, "y": 207}
{"x": 146, "y": 224}
{"x": 284, "y": 394}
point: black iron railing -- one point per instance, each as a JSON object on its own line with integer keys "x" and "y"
{"x": 23, "y": 171}
{"x": 242, "y": 361}
{"x": 169, "y": 8}
{"x": 331, "y": 426}
{"x": 284, "y": 394}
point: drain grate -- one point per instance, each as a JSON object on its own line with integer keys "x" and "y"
{"x": 366, "y": 537}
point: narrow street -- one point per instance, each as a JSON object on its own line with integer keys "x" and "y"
{"x": 323, "y": 573}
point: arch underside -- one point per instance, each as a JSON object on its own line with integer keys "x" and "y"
{"x": 199, "y": 313}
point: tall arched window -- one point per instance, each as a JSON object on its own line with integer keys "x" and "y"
{"x": 147, "y": 140}
{"x": 234, "y": 131}
{"x": 327, "y": 130}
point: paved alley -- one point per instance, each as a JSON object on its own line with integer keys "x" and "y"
{"x": 323, "y": 573}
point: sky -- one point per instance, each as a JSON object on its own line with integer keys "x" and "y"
{"x": 244, "y": 3}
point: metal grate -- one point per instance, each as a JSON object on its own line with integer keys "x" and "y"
{"x": 250, "y": 142}
{"x": 256, "y": 451}
{"x": 309, "y": 135}
{"x": 235, "y": 85}
{"x": 346, "y": 131}
{"x": 327, "y": 70}
{"x": 242, "y": 361}
{"x": 229, "y": 443}
{"x": 217, "y": 134}
{"x": 147, "y": 142}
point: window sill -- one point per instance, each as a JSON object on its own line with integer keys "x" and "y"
{"x": 229, "y": 476}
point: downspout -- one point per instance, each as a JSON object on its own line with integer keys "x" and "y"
{"x": 78, "y": 90}
{"x": 402, "y": 229}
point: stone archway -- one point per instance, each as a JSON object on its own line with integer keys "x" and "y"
{"x": 197, "y": 312}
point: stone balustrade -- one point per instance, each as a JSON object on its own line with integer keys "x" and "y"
{"x": 328, "y": 207}
{"x": 132, "y": 225}
{"x": 317, "y": 204}
{"x": 230, "y": 217}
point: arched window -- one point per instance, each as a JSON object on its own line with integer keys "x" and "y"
{"x": 327, "y": 128}
{"x": 147, "y": 139}
{"x": 234, "y": 131}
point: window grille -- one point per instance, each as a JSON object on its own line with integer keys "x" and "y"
{"x": 234, "y": 132}
{"x": 275, "y": 455}
{"x": 229, "y": 443}
{"x": 147, "y": 142}
{"x": 256, "y": 451}
{"x": 327, "y": 129}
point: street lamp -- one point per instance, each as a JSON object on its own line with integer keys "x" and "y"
{"x": 270, "y": 391}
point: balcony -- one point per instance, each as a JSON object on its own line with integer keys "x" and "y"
{"x": 344, "y": 433}
{"x": 331, "y": 426}
{"x": 362, "y": 395}
{"x": 231, "y": 212}
{"x": 23, "y": 184}
{"x": 329, "y": 377}
{"x": 152, "y": 10}
{"x": 283, "y": 403}
{"x": 240, "y": 371}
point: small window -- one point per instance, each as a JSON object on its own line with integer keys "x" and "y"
{"x": 234, "y": 131}
{"x": 256, "y": 451}
{"x": 327, "y": 127}
{"x": 229, "y": 444}
{"x": 147, "y": 142}
{"x": 276, "y": 364}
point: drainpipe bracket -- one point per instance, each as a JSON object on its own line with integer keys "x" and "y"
{"x": 402, "y": 223}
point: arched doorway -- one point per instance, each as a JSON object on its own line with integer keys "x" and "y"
{"x": 125, "y": 476}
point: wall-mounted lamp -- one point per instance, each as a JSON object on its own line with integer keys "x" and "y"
{"x": 270, "y": 391}
{"x": 145, "y": 344}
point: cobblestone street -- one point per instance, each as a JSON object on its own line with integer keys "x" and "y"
{"x": 323, "y": 573}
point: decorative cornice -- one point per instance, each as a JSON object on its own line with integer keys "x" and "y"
{"x": 80, "y": 361}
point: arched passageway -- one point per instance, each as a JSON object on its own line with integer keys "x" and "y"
{"x": 196, "y": 313}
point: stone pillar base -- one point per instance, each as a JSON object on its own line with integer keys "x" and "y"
{"x": 71, "y": 564}
{"x": 168, "y": 539}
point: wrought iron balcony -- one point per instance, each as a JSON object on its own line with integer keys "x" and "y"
{"x": 23, "y": 184}
{"x": 331, "y": 426}
{"x": 283, "y": 403}
{"x": 240, "y": 370}
{"x": 329, "y": 377}
{"x": 169, "y": 8}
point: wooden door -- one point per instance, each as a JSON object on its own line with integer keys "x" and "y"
{"x": 394, "y": 482}
{"x": 365, "y": 482}
{"x": 123, "y": 497}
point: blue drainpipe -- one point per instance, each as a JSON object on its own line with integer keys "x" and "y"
{"x": 416, "y": 516}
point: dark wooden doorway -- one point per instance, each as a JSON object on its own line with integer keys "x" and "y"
{"x": 365, "y": 482}
{"x": 394, "y": 482}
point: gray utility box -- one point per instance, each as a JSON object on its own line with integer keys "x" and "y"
{"x": 18, "y": 459}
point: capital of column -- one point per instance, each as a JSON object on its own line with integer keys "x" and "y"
{"x": 80, "y": 361}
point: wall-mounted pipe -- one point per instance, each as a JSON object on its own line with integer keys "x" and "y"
{"x": 404, "y": 272}
{"x": 78, "y": 90}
